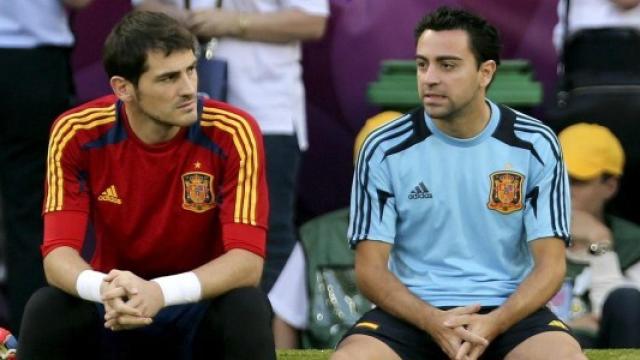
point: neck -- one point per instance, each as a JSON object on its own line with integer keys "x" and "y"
{"x": 149, "y": 130}
{"x": 468, "y": 121}
{"x": 599, "y": 214}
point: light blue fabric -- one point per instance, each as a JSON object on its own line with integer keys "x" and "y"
{"x": 460, "y": 212}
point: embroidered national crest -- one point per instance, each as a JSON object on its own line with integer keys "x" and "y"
{"x": 198, "y": 193}
{"x": 506, "y": 191}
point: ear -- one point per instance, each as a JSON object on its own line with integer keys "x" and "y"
{"x": 487, "y": 71}
{"x": 122, "y": 88}
{"x": 611, "y": 185}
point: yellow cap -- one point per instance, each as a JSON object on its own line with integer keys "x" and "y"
{"x": 590, "y": 151}
{"x": 371, "y": 124}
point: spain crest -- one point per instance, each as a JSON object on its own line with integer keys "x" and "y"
{"x": 506, "y": 191}
{"x": 198, "y": 193}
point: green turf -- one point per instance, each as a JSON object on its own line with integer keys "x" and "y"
{"x": 624, "y": 354}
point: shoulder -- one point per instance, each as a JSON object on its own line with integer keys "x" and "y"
{"x": 624, "y": 226}
{"x": 626, "y": 236}
{"x": 396, "y": 136}
{"x": 525, "y": 129}
{"x": 221, "y": 114}
{"x": 90, "y": 115}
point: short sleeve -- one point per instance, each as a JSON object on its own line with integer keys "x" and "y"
{"x": 373, "y": 212}
{"x": 313, "y": 7}
{"x": 548, "y": 210}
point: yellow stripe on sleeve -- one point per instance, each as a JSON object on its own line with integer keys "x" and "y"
{"x": 239, "y": 214}
{"x": 243, "y": 138}
{"x": 64, "y": 130}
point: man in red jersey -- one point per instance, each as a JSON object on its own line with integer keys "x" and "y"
{"x": 171, "y": 190}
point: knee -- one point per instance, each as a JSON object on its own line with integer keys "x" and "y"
{"x": 578, "y": 356}
{"x": 349, "y": 353}
{"x": 623, "y": 303}
{"x": 247, "y": 305}
{"x": 45, "y": 302}
{"x": 53, "y": 307}
{"x": 243, "y": 316}
{"x": 343, "y": 354}
{"x": 624, "y": 296}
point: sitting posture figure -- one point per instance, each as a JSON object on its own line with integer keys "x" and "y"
{"x": 171, "y": 190}
{"x": 459, "y": 216}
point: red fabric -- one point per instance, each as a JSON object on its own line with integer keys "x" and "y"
{"x": 161, "y": 209}
{"x": 237, "y": 236}
{"x": 64, "y": 228}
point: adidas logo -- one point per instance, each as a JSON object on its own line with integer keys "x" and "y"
{"x": 110, "y": 195}
{"x": 420, "y": 192}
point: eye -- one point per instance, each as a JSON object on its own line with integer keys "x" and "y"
{"x": 421, "y": 64}
{"x": 168, "y": 78}
{"x": 448, "y": 65}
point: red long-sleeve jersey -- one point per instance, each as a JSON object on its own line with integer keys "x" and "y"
{"x": 155, "y": 209}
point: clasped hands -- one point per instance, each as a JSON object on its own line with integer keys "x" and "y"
{"x": 462, "y": 333}
{"x": 129, "y": 301}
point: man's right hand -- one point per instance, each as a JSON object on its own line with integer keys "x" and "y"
{"x": 450, "y": 339}
{"x": 121, "y": 297}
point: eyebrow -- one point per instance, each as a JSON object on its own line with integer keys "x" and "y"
{"x": 173, "y": 73}
{"x": 440, "y": 58}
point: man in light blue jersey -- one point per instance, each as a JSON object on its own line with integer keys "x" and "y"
{"x": 459, "y": 216}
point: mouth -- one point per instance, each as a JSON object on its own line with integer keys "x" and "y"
{"x": 433, "y": 98}
{"x": 187, "y": 105}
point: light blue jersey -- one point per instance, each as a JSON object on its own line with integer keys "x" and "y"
{"x": 460, "y": 212}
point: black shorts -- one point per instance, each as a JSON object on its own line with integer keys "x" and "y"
{"x": 410, "y": 343}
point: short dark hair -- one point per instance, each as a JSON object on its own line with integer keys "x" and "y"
{"x": 125, "y": 50}
{"x": 484, "y": 39}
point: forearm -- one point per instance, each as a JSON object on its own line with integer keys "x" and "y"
{"x": 236, "y": 268}
{"x": 384, "y": 289}
{"x": 160, "y": 6}
{"x": 535, "y": 291}
{"x": 279, "y": 27}
{"x": 76, "y": 4}
{"x": 626, "y": 4}
{"x": 62, "y": 267}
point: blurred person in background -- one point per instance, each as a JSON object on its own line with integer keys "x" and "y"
{"x": 35, "y": 87}
{"x": 261, "y": 41}
{"x": 605, "y": 254}
{"x": 593, "y": 14}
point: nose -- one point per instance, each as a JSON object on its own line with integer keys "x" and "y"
{"x": 430, "y": 75}
{"x": 188, "y": 83}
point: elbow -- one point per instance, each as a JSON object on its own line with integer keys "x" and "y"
{"x": 559, "y": 271}
{"x": 366, "y": 276}
{"x": 555, "y": 273}
{"x": 49, "y": 271}
{"x": 626, "y": 5}
{"x": 316, "y": 32}
{"x": 254, "y": 271}
{"x": 77, "y": 4}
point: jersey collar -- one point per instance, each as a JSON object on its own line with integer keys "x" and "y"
{"x": 491, "y": 126}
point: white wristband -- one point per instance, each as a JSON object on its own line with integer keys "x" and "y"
{"x": 88, "y": 285}
{"x": 180, "y": 289}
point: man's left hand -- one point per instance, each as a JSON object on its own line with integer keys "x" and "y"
{"x": 145, "y": 296}
{"x": 483, "y": 325}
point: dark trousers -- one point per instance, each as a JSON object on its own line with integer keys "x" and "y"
{"x": 620, "y": 321}
{"x": 236, "y": 325}
{"x": 283, "y": 161}
{"x": 35, "y": 87}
